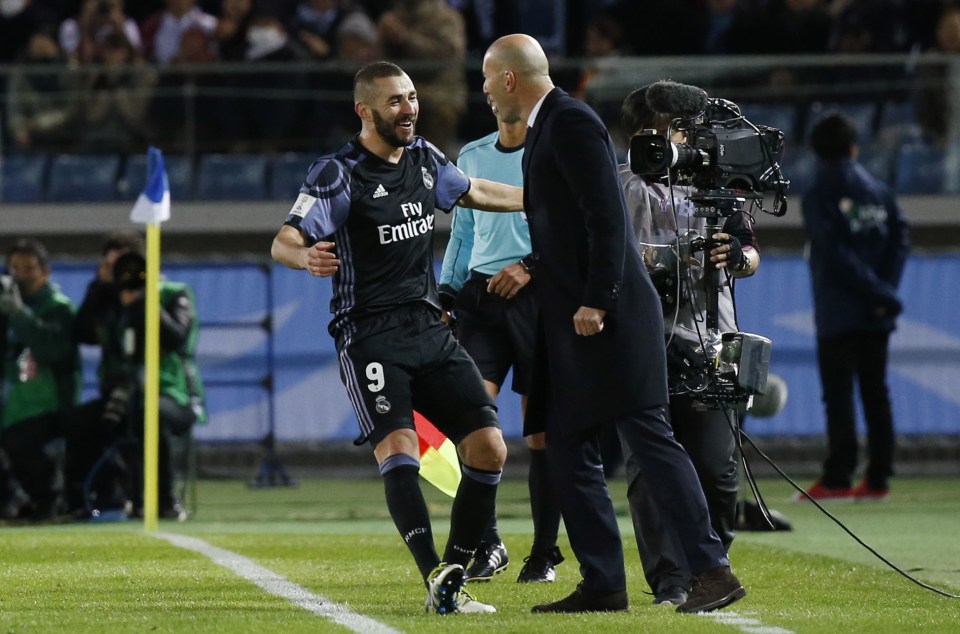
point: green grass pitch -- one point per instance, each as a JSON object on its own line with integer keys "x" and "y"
{"x": 334, "y": 538}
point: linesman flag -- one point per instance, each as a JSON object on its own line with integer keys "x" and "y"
{"x": 439, "y": 464}
{"x": 153, "y": 205}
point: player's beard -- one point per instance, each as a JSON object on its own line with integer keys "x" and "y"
{"x": 388, "y": 130}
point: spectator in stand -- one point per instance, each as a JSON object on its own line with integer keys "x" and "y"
{"x": 40, "y": 108}
{"x": 487, "y": 20}
{"x": 358, "y": 40}
{"x": 232, "y": 27}
{"x": 181, "y": 33}
{"x": 80, "y": 37}
{"x": 429, "y": 30}
{"x": 247, "y": 117}
{"x": 19, "y": 20}
{"x": 933, "y": 98}
{"x": 114, "y": 97}
{"x": 782, "y": 27}
{"x": 320, "y": 26}
{"x": 603, "y": 47}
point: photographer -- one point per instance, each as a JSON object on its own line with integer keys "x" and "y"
{"x": 112, "y": 315}
{"x": 663, "y": 223}
{"x": 40, "y": 380}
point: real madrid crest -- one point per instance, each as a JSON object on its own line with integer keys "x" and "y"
{"x": 427, "y": 178}
{"x": 382, "y": 405}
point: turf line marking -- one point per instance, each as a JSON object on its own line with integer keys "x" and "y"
{"x": 744, "y": 623}
{"x": 280, "y": 586}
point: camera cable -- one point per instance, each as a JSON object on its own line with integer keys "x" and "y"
{"x": 742, "y": 435}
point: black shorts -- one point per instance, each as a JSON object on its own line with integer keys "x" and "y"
{"x": 498, "y": 333}
{"x": 407, "y": 359}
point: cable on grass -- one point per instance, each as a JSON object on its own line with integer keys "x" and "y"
{"x": 741, "y": 435}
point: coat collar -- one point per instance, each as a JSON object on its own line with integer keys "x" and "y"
{"x": 534, "y": 132}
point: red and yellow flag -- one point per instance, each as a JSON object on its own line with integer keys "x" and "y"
{"x": 439, "y": 464}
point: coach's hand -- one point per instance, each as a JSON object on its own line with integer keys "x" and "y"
{"x": 508, "y": 282}
{"x": 588, "y": 321}
{"x": 321, "y": 261}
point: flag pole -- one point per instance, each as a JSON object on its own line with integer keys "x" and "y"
{"x": 151, "y": 382}
{"x": 152, "y": 208}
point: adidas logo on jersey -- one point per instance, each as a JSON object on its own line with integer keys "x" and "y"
{"x": 381, "y": 192}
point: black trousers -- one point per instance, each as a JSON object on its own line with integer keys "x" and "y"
{"x": 862, "y": 358}
{"x": 707, "y": 437}
{"x": 660, "y": 471}
{"x": 576, "y": 469}
{"x": 118, "y": 476}
{"x": 28, "y": 462}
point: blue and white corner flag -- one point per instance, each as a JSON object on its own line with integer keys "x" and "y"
{"x": 153, "y": 205}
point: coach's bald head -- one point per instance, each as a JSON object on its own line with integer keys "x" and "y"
{"x": 516, "y": 75}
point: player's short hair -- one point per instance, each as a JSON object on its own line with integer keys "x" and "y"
{"x": 833, "y": 137}
{"x": 373, "y": 71}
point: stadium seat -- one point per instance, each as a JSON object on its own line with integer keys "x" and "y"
{"x": 922, "y": 169}
{"x": 780, "y": 116}
{"x": 23, "y": 177}
{"x": 862, "y": 115}
{"x": 83, "y": 178}
{"x": 287, "y": 173}
{"x": 179, "y": 174}
{"x": 232, "y": 177}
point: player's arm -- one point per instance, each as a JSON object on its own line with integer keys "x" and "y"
{"x": 492, "y": 196}
{"x": 290, "y": 249}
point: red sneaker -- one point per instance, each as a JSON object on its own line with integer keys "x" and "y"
{"x": 866, "y": 493}
{"x": 821, "y": 493}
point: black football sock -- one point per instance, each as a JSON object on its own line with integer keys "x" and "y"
{"x": 401, "y": 483}
{"x": 492, "y": 534}
{"x": 473, "y": 509}
{"x": 543, "y": 503}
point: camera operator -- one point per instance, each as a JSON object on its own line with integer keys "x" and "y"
{"x": 663, "y": 219}
{"x": 40, "y": 380}
{"x": 112, "y": 315}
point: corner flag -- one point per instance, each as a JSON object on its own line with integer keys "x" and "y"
{"x": 439, "y": 463}
{"x": 153, "y": 205}
{"x": 152, "y": 208}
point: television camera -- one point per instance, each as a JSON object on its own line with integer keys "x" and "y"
{"x": 728, "y": 161}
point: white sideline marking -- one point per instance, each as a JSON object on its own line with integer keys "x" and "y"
{"x": 279, "y": 586}
{"x": 745, "y": 624}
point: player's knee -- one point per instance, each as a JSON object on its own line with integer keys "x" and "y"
{"x": 484, "y": 448}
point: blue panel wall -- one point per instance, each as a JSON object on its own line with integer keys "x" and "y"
{"x": 310, "y": 404}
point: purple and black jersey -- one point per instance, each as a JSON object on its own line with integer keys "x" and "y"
{"x": 380, "y": 215}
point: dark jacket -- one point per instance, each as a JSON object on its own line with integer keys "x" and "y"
{"x": 858, "y": 245}
{"x": 587, "y": 257}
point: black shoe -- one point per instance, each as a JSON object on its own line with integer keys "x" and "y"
{"x": 489, "y": 560}
{"x": 674, "y": 595}
{"x": 750, "y": 518}
{"x": 540, "y": 567}
{"x": 585, "y": 601}
{"x": 712, "y": 590}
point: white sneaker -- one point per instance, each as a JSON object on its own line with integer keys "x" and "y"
{"x": 468, "y": 605}
{"x": 443, "y": 588}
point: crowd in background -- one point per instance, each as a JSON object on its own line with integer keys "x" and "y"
{"x": 113, "y": 89}
{"x": 182, "y": 31}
